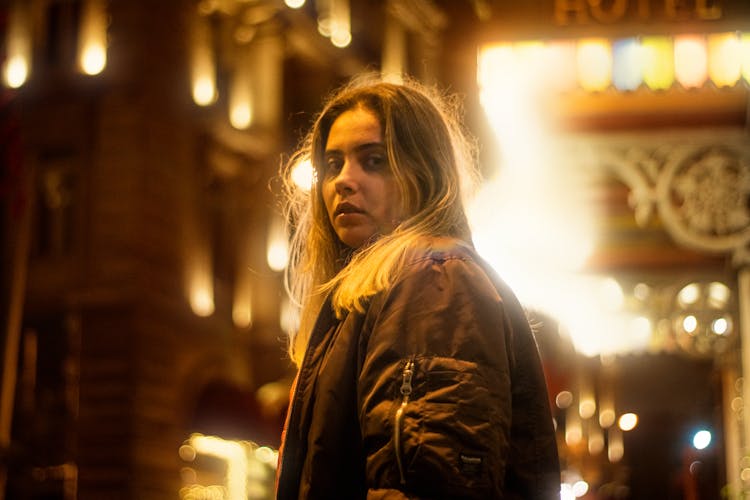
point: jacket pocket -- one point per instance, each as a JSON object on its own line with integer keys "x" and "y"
{"x": 448, "y": 426}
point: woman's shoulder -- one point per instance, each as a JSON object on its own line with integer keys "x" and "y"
{"x": 428, "y": 249}
{"x": 430, "y": 256}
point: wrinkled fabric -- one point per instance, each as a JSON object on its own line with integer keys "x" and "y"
{"x": 475, "y": 423}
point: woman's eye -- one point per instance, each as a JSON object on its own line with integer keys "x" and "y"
{"x": 333, "y": 164}
{"x": 375, "y": 162}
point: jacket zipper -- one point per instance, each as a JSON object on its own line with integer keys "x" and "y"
{"x": 406, "y": 389}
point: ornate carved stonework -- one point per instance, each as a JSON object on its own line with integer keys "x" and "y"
{"x": 698, "y": 183}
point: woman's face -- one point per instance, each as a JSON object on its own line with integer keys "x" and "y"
{"x": 360, "y": 194}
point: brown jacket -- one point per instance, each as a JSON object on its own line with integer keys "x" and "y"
{"x": 436, "y": 391}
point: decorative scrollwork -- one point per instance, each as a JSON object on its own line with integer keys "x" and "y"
{"x": 713, "y": 190}
{"x": 703, "y": 198}
{"x": 700, "y": 187}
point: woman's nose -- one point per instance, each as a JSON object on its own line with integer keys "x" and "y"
{"x": 347, "y": 179}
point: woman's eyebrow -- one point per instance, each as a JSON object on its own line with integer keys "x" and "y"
{"x": 358, "y": 148}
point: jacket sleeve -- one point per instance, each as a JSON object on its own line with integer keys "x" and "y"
{"x": 434, "y": 387}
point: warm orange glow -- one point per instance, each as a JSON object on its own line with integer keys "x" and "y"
{"x": 573, "y": 428}
{"x": 606, "y": 417}
{"x": 341, "y": 35}
{"x": 303, "y": 175}
{"x": 17, "y": 62}
{"x": 561, "y": 62}
{"x": 233, "y": 453}
{"x": 690, "y": 60}
{"x": 494, "y": 61}
{"x": 564, "y": 399}
{"x": 596, "y": 439}
{"x": 203, "y": 66}
{"x": 240, "y": 112}
{"x": 16, "y": 71}
{"x": 725, "y": 63}
{"x": 202, "y": 300}
{"x": 718, "y": 295}
{"x": 242, "y": 306}
{"x": 240, "y": 96}
{"x": 92, "y": 37}
{"x": 690, "y": 323}
{"x": 596, "y": 63}
{"x": 586, "y": 401}
{"x": 531, "y": 54}
{"x": 745, "y": 55}
{"x": 616, "y": 448}
{"x": 688, "y": 295}
{"x": 201, "y": 288}
{"x": 512, "y": 99}
{"x": 394, "y": 51}
{"x": 266, "y": 58}
{"x": 587, "y": 407}
{"x": 628, "y": 421}
{"x": 277, "y": 249}
{"x": 242, "y": 301}
{"x": 594, "y": 59}
{"x": 658, "y": 67}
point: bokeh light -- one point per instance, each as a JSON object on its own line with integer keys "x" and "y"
{"x": 594, "y": 64}
{"x": 725, "y": 63}
{"x": 627, "y": 69}
{"x": 303, "y": 174}
{"x": 658, "y": 65}
{"x": 92, "y": 37}
{"x": 691, "y": 60}
{"x": 702, "y": 439}
{"x": 628, "y": 421}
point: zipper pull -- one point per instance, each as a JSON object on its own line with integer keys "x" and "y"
{"x": 406, "y": 387}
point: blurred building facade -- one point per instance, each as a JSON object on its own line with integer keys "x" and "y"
{"x": 143, "y": 303}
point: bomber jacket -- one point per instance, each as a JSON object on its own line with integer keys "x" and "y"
{"x": 435, "y": 391}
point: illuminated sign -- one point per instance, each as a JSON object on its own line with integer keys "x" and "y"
{"x": 550, "y": 19}
{"x": 571, "y": 12}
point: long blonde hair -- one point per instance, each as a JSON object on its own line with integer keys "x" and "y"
{"x": 433, "y": 161}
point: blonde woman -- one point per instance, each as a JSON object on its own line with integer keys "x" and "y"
{"x": 418, "y": 373}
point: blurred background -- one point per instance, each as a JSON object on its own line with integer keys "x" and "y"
{"x": 142, "y": 302}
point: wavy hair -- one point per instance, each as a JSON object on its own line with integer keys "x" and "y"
{"x": 433, "y": 161}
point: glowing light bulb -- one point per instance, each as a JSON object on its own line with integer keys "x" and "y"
{"x": 689, "y": 323}
{"x": 94, "y": 59}
{"x": 16, "y": 71}
{"x": 725, "y": 63}
{"x": 92, "y": 42}
{"x": 627, "y": 70}
{"x": 204, "y": 91}
{"x": 18, "y": 51}
{"x": 203, "y": 65}
{"x": 628, "y": 421}
{"x": 658, "y": 62}
{"x": 691, "y": 60}
{"x": 701, "y": 439}
{"x": 594, "y": 64}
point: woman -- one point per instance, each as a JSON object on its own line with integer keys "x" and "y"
{"x": 418, "y": 374}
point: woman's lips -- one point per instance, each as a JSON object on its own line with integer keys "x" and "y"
{"x": 347, "y": 214}
{"x": 346, "y": 208}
